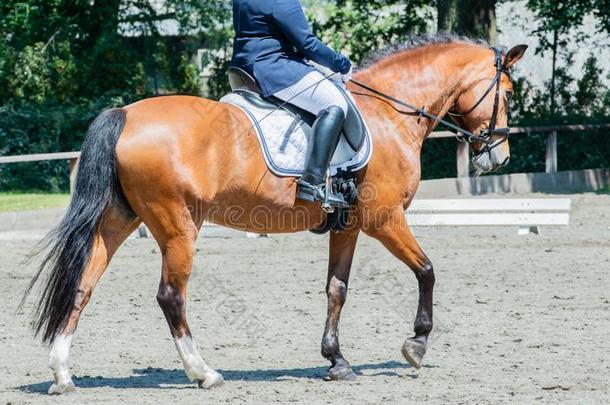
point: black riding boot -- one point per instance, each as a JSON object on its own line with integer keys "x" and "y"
{"x": 322, "y": 145}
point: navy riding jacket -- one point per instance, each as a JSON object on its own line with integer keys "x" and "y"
{"x": 272, "y": 38}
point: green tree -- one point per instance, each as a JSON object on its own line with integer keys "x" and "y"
{"x": 591, "y": 92}
{"x": 62, "y": 62}
{"x": 358, "y": 27}
{"x": 559, "y": 22}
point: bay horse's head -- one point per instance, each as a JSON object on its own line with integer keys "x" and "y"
{"x": 482, "y": 109}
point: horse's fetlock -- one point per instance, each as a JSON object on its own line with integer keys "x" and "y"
{"x": 423, "y": 326}
{"x": 330, "y": 347}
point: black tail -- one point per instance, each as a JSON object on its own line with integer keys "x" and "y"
{"x": 69, "y": 244}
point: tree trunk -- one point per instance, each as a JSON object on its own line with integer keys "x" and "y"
{"x": 448, "y": 15}
{"x": 554, "y": 73}
{"x": 105, "y": 16}
{"x": 475, "y": 18}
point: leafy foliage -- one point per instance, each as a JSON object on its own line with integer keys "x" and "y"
{"x": 568, "y": 14}
{"x": 583, "y": 100}
{"x": 62, "y": 62}
{"x": 357, "y": 27}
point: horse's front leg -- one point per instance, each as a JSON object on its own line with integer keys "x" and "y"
{"x": 342, "y": 247}
{"x": 396, "y": 236}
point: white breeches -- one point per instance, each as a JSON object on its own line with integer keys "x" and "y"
{"x": 313, "y": 93}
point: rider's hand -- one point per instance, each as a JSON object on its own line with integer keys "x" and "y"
{"x": 348, "y": 76}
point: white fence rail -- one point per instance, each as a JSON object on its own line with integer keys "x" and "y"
{"x": 527, "y": 214}
{"x": 463, "y": 150}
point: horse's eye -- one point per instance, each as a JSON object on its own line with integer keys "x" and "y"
{"x": 509, "y": 95}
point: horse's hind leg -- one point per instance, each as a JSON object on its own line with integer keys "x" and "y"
{"x": 114, "y": 228}
{"x": 342, "y": 247}
{"x": 398, "y": 239}
{"x": 176, "y": 236}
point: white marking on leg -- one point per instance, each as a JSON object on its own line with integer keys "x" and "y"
{"x": 58, "y": 362}
{"x": 194, "y": 366}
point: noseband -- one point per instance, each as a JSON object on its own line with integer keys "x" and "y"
{"x": 462, "y": 134}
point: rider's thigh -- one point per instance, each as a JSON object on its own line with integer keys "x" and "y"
{"x": 314, "y": 93}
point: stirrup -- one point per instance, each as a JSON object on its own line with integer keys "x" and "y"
{"x": 321, "y": 192}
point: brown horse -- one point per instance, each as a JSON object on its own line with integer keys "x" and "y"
{"x": 175, "y": 162}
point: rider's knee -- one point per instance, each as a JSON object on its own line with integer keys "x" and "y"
{"x": 342, "y": 104}
{"x": 338, "y": 105}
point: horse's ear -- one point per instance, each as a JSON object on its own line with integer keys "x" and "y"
{"x": 514, "y": 55}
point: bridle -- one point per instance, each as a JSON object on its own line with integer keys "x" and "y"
{"x": 463, "y": 135}
{"x": 492, "y": 130}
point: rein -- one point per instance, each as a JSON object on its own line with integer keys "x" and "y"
{"x": 461, "y": 133}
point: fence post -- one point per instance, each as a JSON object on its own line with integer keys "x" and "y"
{"x": 73, "y": 171}
{"x": 551, "y": 153}
{"x": 463, "y": 159}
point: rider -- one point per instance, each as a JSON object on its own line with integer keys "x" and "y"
{"x": 272, "y": 40}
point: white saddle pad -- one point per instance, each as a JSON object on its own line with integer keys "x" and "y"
{"x": 284, "y": 140}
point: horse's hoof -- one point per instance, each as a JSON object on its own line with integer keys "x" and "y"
{"x": 341, "y": 373}
{"x": 413, "y": 351}
{"x": 212, "y": 381}
{"x": 58, "y": 389}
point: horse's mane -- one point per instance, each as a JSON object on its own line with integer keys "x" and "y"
{"x": 418, "y": 41}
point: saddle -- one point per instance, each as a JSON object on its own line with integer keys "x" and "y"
{"x": 288, "y": 127}
{"x": 284, "y": 130}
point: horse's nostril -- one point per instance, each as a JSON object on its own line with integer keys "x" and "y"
{"x": 505, "y": 162}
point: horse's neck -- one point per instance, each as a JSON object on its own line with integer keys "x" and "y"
{"x": 429, "y": 79}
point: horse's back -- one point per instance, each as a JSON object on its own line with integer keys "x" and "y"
{"x": 185, "y": 117}
{"x": 181, "y": 148}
